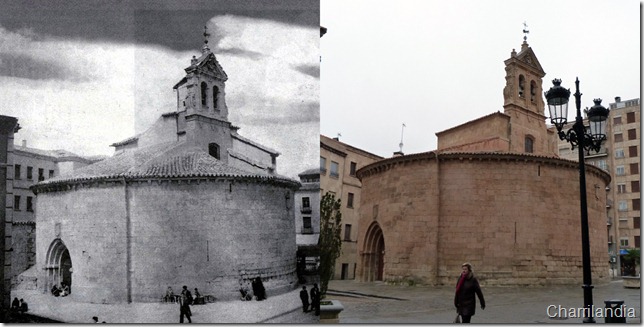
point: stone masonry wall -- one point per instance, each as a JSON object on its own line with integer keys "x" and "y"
{"x": 515, "y": 218}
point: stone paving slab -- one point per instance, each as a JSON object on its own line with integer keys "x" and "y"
{"x": 382, "y": 303}
{"x": 283, "y": 308}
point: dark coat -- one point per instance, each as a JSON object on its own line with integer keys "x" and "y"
{"x": 465, "y": 301}
{"x": 304, "y": 296}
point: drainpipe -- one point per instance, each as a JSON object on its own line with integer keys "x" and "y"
{"x": 128, "y": 240}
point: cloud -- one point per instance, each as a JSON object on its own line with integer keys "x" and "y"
{"x": 84, "y": 95}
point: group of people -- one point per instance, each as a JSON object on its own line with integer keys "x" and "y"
{"x": 259, "y": 292}
{"x": 62, "y": 290}
{"x": 315, "y": 299}
{"x": 19, "y": 305}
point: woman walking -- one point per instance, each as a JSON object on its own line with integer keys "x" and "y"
{"x": 464, "y": 299}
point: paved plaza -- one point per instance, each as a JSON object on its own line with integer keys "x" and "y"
{"x": 283, "y": 308}
{"x": 382, "y": 303}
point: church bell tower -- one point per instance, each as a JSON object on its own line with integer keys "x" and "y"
{"x": 201, "y": 102}
{"x": 524, "y": 103}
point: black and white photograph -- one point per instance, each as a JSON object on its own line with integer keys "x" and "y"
{"x": 159, "y": 161}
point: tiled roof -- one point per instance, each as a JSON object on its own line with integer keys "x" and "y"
{"x": 165, "y": 160}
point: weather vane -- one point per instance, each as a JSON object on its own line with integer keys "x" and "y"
{"x": 525, "y": 31}
{"x": 205, "y": 34}
{"x": 339, "y": 135}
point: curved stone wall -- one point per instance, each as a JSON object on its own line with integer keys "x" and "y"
{"x": 129, "y": 242}
{"x": 515, "y": 217}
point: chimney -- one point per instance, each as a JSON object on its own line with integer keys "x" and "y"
{"x": 24, "y": 143}
{"x": 618, "y": 99}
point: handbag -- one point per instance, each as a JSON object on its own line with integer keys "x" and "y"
{"x": 457, "y": 320}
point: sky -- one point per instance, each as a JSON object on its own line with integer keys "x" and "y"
{"x": 82, "y": 75}
{"x": 433, "y": 65}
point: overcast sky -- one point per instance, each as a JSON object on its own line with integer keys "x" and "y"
{"x": 436, "y": 64}
{"x": 81, "y": 75}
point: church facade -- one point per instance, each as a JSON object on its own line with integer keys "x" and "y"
{"x": 494, "y": 193}
{"x": 187, "y": 202}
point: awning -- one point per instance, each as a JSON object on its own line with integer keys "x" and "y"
{"x": 623, "y": 252}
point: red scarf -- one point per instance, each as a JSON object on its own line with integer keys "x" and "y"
{"x": 461, "y": 280}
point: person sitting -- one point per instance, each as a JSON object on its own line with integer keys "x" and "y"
{"x": 258, "y": 289}
{"x": 65, "y": 290}
{"x": 23, "y": 306}
{"x": 169, "y": 295}
{"x": 198, "y": 298}
{"x": 15, "y": 305}
{"x": 245, "y": 294}
{"x": 55, "y": 290}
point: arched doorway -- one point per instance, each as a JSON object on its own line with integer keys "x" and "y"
{"x": 373, "y": 255}
{"x": 59, "y": 265}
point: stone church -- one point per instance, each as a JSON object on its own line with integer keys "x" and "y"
{"x": 494, "y": 193}
{"x": 187, "y": 202}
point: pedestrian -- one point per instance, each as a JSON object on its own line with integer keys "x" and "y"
{"x": 184, "y": 305}
{"x": 258, "y": 289}
{"x": 315, "y": 299}
{"x": 15, "y": 305}
{"x": 24, "y": 307}
{"x": 304, "y": 296}
{"x": 466, "y": 288}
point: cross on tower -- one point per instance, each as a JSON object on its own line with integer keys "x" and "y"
{"x": 205, "y": 34}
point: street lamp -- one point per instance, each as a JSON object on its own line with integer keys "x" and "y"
{"x": 557, "y": 98}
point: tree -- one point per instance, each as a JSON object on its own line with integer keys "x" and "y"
{"x": 632, "y": 258}
{"x": 329, "y": 242}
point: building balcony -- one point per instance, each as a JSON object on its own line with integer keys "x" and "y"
{"x": 609, "y": 221}
{"x": 306, "y": 230}
{"x": 305, "y": 209}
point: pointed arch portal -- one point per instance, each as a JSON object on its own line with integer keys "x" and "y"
{"x": 59, "y": 265}
{"x": 373, "y": 257}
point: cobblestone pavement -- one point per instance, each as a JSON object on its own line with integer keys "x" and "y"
{"x": 282, "y": 308}
{"x": 381, "y": 303}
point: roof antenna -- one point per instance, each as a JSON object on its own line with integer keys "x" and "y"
{"x": 525, "y": 32}
{"x": 401, "y": 137}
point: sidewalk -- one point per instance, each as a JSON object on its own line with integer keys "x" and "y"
{"x": 283, "y": 308}
{"x": 381, "y": 303}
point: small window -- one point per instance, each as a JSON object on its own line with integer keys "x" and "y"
{"x": 16, "y": 202}
{"x": 617, "y": 120}
{"x": 322, "y": 165}
{"x": 16, "y": 172}
{"x": 352, "y": 169}
{"x": 618, "y": 137}
{"x": 213, "y": 150}
{"x": 529, "y": 144}
{"x": 30, "y": 173}
{"x": 635, "y": 186}
{"x": 350, "y": 200}
{"x": 51, "y": 173}
{"x": 634, "y": 169}
{"x": 636, "y": 223}
{"x": 636, "y": 204}
{"x": 632, "y": 151}
{"x": 41, "y": 174}
{"x": 619, "y": 170}
{"x": 306, "y": 203}
{"x": 630, "y": 117}
{"x": 347, "y": 232}
{"x": 307, "y": 227}
{"x": 619, "y": 153}
{"x": 632, "y": 134}
{"x": 621, "y": 188}
{"x": 30, "y": 207}
{"x": 622, "y": 205}
{"x": 623, "y": 242}
{"x": 334, "y": 169}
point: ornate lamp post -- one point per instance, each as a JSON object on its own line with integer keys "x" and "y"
{"x": 557, "y": 98}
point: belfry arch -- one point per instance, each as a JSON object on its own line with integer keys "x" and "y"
{"x": 58, "y": 265}
{"x": 373, "y": 254}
